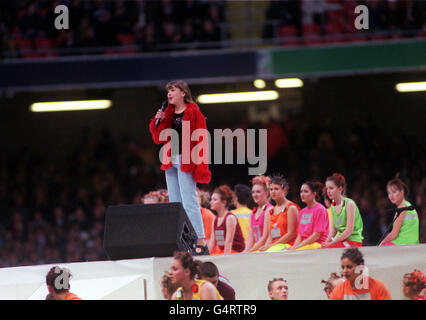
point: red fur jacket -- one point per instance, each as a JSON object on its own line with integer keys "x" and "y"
{"x": 200, "y": 172}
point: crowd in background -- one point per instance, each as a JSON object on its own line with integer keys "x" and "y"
{"x": 154, "y": 25}
{"x": 146, "y": 24}
{"x": 398, "y": 18}
{"x": 53, "y": 208}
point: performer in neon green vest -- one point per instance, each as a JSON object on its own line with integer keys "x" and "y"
{"x": 346, "y": 230}
{"x": 405, "y": 228}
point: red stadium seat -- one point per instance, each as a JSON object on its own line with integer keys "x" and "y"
{"x": 311, "y": 29}
{"x": 335, "y": 15}
{"x": 312, "y": 34}
{"x": 288, "y": 32}
{"x": 125, "y": 39}
{"x": 24, "y": 43}
{"x": 44, "y": 46}
{"x": 349, "y": 6}
{"x": 128, "y": 50}
{"x": 397, "y": 36}
{"x": 334, "y": 31}
{"x": 111, "y": 52}
{"x": 379, "y": 37}
{"x": 26, "y": 48}
{"x": 357, "y": 37}
{"x": 422, "y": 34}
{"x": 333, "y": 28}
{"x": 43, "y": 43}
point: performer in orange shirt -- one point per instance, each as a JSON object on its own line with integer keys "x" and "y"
{"x": 358, "y": 285}
{"x": 206, "y": 214}
{"x": 283, "y": 218}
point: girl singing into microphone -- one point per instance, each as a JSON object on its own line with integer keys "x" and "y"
{"x": 406, "y": 227}
{"x": 181, "y": 163}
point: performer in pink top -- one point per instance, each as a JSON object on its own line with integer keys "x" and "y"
{"x": 313, "y": 219}
{"x": 259, "y": 230}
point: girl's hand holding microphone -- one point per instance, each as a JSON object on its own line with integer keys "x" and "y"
{"x": 159, "y": 115}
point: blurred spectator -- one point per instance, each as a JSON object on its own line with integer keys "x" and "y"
{"x": 242, "y": 198}
{"x": 414, "y": 285}
{"x": 210, "y": 272}
{"x": 150, "y": 198}
{"x": 203, "y": 199}
{"x": 188, "y": 34}
{"x": 333, "y": 281}
{"x": 167, "y": 286}
{"x": 210, "y": 33}
{"x": 169, "y": 33}
{"x": 159, "y": 196}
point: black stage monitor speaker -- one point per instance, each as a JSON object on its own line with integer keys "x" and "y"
{"x": 147, "y": 230}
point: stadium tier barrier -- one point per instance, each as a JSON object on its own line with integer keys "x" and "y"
{"x": 249, "y": 274}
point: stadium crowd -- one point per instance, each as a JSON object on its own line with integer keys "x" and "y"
{"x": 148, "y": 24}
{"x": 335, "y": 18}
{"x": 27, "y": 27}
{"x": 52, "y": 210}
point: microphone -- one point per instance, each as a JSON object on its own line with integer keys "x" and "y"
{"x": 163, "y": 107}
{"x": 399, "y": 210}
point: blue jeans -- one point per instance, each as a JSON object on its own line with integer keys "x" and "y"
{"x": 182, "y": 188}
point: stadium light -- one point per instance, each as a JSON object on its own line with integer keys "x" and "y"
{"x": 239, "y": 97}
{"x": 70, "y": 105}
{"x": 259, "y": 83}
{"x": 411, "y": 86}
{"x": 289, "y": 83}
